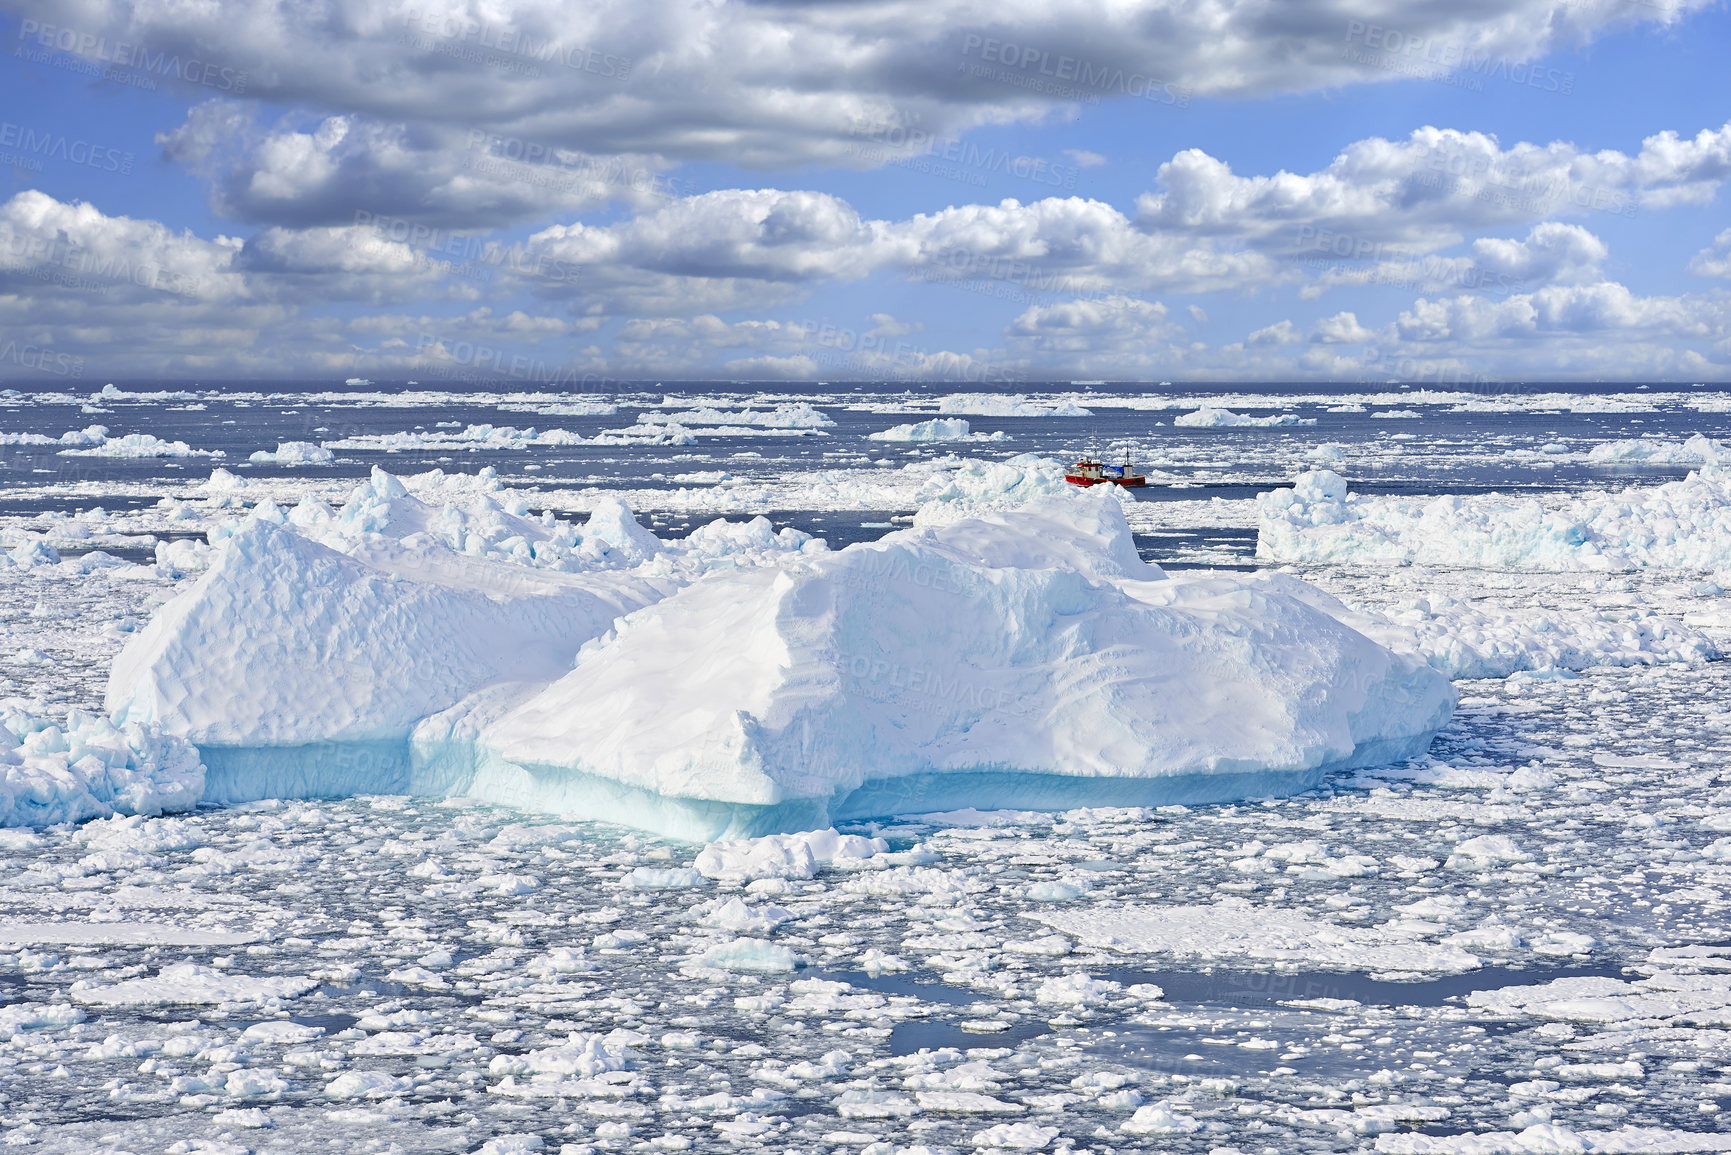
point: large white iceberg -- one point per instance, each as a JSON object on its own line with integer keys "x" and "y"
{"x": 743, "y": 682}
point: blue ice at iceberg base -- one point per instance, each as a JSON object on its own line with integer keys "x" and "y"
{"x": 1023, "y": 659}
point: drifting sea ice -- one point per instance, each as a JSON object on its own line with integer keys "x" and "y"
{"x": 1563, "y": 830}
{"x": 76, "y": 439}
{"x": 794, "y": 415}
{"x": 385, "y": 981}
{"x": 937, "y": 429}
{"x": 1209, "y": 417}
{"x": 294, "y": 453}
{"x": 1697, "y": 450}
{"x": 1680, "y": 524}
{"x": 141, "y": 445}
{"x": 998, "y": 405}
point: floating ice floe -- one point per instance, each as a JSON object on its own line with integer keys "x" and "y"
{"x": 937, "y": 429}
{"x": 1239, "y": 931}
{"x": 785, "y": 855}
{"x": 294, "y": 453}
{"x": 1685, "y": 987}
{"x": 87, "y": 767}
{"x": 190, "y": 984}
{"x": 1028, "y": 658}
{"x": 140, "y": 445}
{"x": 965, "y": 487}
{"x": 999, "y": 405}
{"x": 788, "y": 416}
{"x": 1556, "y": 1139}
{"x": 1463, "y": 639}
{"x": 1680, "y": 524}
{"x": 562, "y": 408}
{"x": 72, "y": 439}
{"x": 1697, "y": 450}
{"x": 470, "y": 437}
{"x": 1209, "y": 417}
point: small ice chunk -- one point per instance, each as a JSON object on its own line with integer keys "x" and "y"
{"x": 1077, "y": 990}
{"x": 281, "y": 1031}
{"x": 1159, "y": 1118}
{"x": 1486, "y": 851}
{"x": 663, "y": 878}
{"x": 1016, "y": 1136}
{"x": 751, "y": 956}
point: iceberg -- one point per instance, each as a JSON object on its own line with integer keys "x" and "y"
{"x": 1697, "y": 450}
{"x": 299, "y": 669}
{"x": 786, "y": 416}
{"x": 1209, "y": 417}
{"x": 998, "y": 405}
{"x": 137, "y": 445}
{"x": 294, "y": 453}
{"x": 937, "y": 429}
{"x": 76, "y": 438}
{"x": 1678, "y": 525}
{"x": 744, "y": 683}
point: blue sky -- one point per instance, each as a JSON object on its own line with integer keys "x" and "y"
{"x": 1478, "y": 194}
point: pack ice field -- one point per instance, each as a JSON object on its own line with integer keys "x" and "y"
{"x": 815, "y": 770}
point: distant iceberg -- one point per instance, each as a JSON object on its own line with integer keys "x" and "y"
{"x": 741, "y": 681}
{"x": 1678, "y": 525}
{"x": 141, "y": 445}
{"x": 294, "y": 453}
{"x": 999, "y": 405}
{"x": 1209, "y": 417}
{"x": 937, "y": 429}
{"x": 1697, "y": 450}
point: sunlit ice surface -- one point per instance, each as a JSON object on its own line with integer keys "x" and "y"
{"x": 1517, "y": 940}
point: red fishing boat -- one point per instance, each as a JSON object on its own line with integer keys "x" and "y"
{"x": 1090, "y": 472}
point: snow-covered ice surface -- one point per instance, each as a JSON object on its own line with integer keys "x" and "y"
{"x": 1514, "y": 943}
